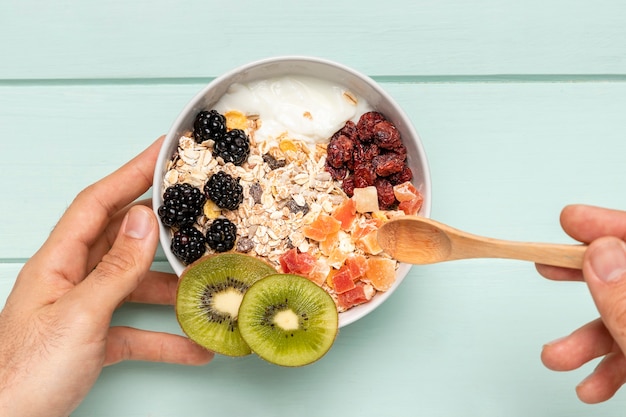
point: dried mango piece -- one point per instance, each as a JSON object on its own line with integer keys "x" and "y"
{"x": 321, "y": 227}
{"x": 346, "y": 213}
{"x": 369, "y": 243}
{"x": 381, "y": 272}
{"x": 379, "y": 218}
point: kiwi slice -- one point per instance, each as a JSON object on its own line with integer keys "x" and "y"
{"x": 288, "y": 320}
{"x": 209, "y": 294}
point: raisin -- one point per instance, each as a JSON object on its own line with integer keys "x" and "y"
{"x": 387, "y": 136}
{"x": 245, "y": 244}
{"x": 365, "y": 126}
{"x": 256, "y": 192}
{"x": 273, "y": 162}
{"x": 387, "y": 164}
{"x": 386, "y": 197}
{"x": 295, "y": 207}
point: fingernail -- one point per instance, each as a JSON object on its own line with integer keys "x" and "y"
{"x": 138, "y": 223}
{"x": 608, "y": 260}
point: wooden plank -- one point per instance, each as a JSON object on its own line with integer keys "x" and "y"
{"x": 75, "y": 39}
{"x": 471, "y": 330}
{"x": 553, "y": 143}
{"x": 63, "y": 138}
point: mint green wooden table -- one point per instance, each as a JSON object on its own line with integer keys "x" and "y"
{"x": 521, "y": 108}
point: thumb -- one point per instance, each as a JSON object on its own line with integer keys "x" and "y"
{"x": 121, "y": 270}
{"x": 604, "y": 268}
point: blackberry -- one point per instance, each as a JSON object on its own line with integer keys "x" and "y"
{"x": 188, "y": 244}
{"x": 224, "y": 190}
{"x": 233, "y": 146}
{"x": 209, "y": 125}
{"x": 221, "y": 235}
{"x": 182, "y": 204}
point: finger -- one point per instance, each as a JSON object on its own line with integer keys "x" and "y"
{"x": 604, "y": 381}
{"x": 91, "y": 210}
{"x": 127, "y": 343}
{"x": 107, "y": 237}
{"x": 585, "y": 224}
{"x": 588, "y": 223}
{"x": 156, "y": 288}
{"x": 556, "y": 273}
{"x": 122, "y": 268}
{"x": 591, "y": 341}
{"x": 604, "y": 267}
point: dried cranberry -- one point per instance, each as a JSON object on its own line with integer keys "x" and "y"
{"x": 365, "y": 152}
{"x": 387, "y": 136}
{"x": 339, "y": 151}
{"x": 369, "y": 153}
{"x": 349, "y": 130}
{"x": 403, "y": 176}
{"x": 401, "y": 151}
{"x": 364, "y": 175}
{"x": 386, "y": 197}
{"x": 337, "y": 173}
{"x": 387, "y": 164}
{"x": 365, "y": 126}
{"x": 348, "y": 186}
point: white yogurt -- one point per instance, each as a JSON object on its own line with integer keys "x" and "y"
{"x": 305, "y": 108}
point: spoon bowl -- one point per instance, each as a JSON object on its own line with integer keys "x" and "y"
{"x": 418, "y": 240}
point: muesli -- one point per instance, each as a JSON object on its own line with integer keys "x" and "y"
{"x": 307, "y": 207}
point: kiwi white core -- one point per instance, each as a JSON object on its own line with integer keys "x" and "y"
{"x": 287, "y": 320}
{"x": 228, "y": 302}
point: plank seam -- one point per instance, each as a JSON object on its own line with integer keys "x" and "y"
{"x": 396, "y": 79}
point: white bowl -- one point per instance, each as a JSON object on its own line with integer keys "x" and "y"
{"x": 356, "y": 82}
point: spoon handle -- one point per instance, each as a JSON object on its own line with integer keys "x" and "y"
{"x": 568, "y": 256}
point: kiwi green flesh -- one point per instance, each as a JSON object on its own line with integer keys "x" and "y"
{"x": 288, "y": 320}
{"x": 217, "y": 280}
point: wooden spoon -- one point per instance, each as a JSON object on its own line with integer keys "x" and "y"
{"x": 418, "y": 240}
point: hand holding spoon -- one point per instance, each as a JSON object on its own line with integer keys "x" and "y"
{"x": 419, "y": 240}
